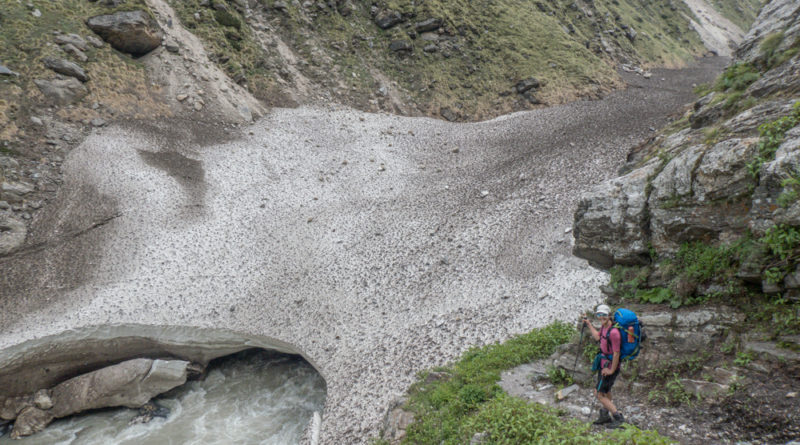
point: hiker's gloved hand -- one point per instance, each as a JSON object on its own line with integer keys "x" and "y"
{"x": 585, "y": 320}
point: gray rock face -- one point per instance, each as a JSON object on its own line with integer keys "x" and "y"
{"x": 776, "y": 16}
{"x": 66, "y": 68}
{"x": 133, "y": 32}
{"x": 62, "y": 91}
{"x": 704, "y": 190}
{"x": 611, "y": 222}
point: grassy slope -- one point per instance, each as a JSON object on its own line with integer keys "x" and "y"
{"x": 116, "y": 79}
{"x": 492, "y": 44}
{"x": 464, "y": 399}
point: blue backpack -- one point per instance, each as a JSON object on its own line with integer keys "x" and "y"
{"x": 631, "y": 333}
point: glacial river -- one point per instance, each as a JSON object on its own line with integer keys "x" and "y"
{"x": 254, "y": 397}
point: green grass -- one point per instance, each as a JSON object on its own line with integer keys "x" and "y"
{"x": 771, "y": 135}
{"x": 469, "y": 401}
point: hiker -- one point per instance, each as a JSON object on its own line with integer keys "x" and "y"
{"x": 607, "y": 369}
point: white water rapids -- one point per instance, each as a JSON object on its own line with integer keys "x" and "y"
{"x": 254, "y": 397}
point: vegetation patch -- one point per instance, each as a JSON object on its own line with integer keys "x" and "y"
{"x": 230, "y": 44}
{"x": 117, "y": 80}
{"x": 771, "y": 136}
{"x": 469, "y": 400}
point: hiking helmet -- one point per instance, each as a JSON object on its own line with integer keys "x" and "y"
{"x": 603, "y": 309}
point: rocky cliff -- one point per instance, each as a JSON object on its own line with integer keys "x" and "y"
{"x": 709, "y": 208}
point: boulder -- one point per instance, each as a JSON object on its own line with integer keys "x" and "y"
{"x": 611, "y": 221}
{"x": 31, "y": 420}
{"x": 75, "y": 52}
{"x": 133, "y": 32}
{"x": 4, "y": 71}
{"x": 131, "y": 384}
{"x": 401, "y": 46}
{"x": 526, "y": 84}
{"x": 62, "y": 91}
{"x": 66, "y": 68}
{"x": 12, "y": 406}
{"x": 72, "y": 39}
{"x": 387, "y": 18}
{"x": 428, "y": 25}
{"x": 12, "y": 235}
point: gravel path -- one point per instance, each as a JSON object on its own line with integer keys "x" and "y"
{"x": 375, "y": 245}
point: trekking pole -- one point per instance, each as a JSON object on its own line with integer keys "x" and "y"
{"x": 580, "y": 342}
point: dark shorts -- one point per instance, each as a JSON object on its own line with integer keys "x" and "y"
{"x": 604, "y": 383}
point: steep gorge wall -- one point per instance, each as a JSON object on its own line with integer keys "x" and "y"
{"x": 724, "y": 177}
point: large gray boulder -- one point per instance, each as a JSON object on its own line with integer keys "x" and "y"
{"x": 611, "y": 221}
{"x": 62, "y": 91}
{"x": 131, "y": 384}
{"x": 133, "y": 32}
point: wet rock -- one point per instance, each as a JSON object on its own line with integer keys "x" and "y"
{"x": 131, "y": 383}
{"x": 66, "y": 68}
{"x": 430, "y": 48}
{"x": 30, "y": 421}
{"x": 387, "y": 18}
{"x": 148, "y": 412}
{"x": 12, "y": 406}
{"x": 62, "y": 91}
{"x": 72, "y": 39}
{"x": 12, "y": 235}
{"x": 133, "y": 32}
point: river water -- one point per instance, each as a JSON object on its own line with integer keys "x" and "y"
{"x": 254, "y": 397}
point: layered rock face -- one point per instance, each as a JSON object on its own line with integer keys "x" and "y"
{"x": 731, "y": 171}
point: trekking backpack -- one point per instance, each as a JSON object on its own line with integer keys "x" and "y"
{"x": 631, "y": 332}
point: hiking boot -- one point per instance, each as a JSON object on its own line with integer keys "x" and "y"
{"x": 616, "y": 420}
{"x": 604, "y": 417}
